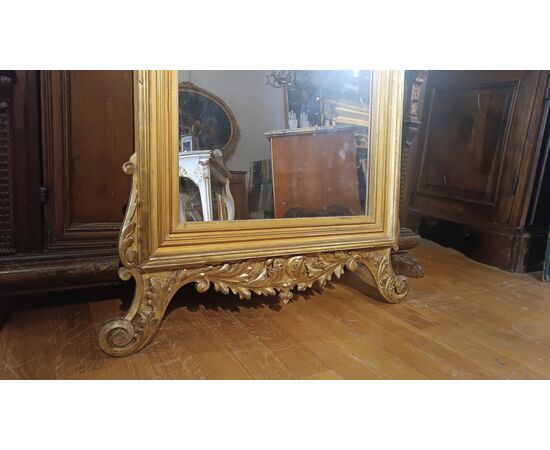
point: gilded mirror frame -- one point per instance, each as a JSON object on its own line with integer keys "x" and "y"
{"x": 266, "y": 257}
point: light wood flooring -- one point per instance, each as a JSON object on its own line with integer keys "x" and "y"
{"x": 463, "y": 320}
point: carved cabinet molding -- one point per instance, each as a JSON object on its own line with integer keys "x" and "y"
{"x": 7, "y": 244}
{"x": 415, "y": 87}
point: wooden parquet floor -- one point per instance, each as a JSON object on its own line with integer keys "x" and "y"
{"x": 463, "y": 320}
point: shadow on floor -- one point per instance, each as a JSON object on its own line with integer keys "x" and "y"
{"x": 186, "y": 297}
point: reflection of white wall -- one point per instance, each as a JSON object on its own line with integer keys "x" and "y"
{"x": 257, "y": 107}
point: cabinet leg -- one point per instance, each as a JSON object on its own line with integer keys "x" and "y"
{"x": 408, "y": 265}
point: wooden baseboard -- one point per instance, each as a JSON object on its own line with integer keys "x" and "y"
{"x": 43, "y": 275}
{"x": 513, "y": 250}
{"x": 521, "y": 251}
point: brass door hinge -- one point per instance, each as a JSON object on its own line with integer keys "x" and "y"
{"x": 43, "y": 194}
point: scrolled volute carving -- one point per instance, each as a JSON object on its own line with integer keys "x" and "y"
{"x": 116, "y": 333}
{"x": 392, "y": 287}
{"x": 124, "y": 336}
{"x": 128, "y": 234}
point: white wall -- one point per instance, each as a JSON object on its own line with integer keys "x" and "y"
{"x": 257, "y": 107}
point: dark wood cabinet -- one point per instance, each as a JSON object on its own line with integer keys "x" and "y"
{"x": 479, "y": 162}
{"x": 64, "y": 136}
{"x": 87, "y": 134}
{"x": 239, "y": 191}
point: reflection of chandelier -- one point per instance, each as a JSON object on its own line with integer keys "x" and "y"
{"x": 280, "y": 78}
{"x": 288, "y": 78}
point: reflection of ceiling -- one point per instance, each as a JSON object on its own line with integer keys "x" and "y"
{"x": 348, "y": 94}
{"x": 331, "y": 96}
{"x": 288, "y": 78}
{"x": 345, "y": 85}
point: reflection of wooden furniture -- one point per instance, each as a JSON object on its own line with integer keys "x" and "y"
{"x": 478, "y": 166}
{"x": 62, "y": 193}
{"x": 239, "y": 192}
{"x": 205, "y": 168}
{"x": 260, "y": 187}
{"x": 315, "y": 169}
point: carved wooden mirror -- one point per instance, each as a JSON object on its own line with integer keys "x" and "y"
{"x": 317, "y": 160}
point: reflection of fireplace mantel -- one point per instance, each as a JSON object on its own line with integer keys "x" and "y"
{"x": 315, "y": 171}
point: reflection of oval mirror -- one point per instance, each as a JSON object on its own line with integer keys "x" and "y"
{"x": 205, "y": 121}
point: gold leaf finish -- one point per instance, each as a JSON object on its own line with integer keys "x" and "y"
{"x": 392, "y": 287}
{"x": 269, "y": 276}
{"x": 127, "y": 241}
{"x": 268, "y": 257}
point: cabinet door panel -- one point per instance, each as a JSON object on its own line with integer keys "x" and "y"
{"x": 471, "y": 149}
{"x": 474, "y": 121}
{"x": 88, "y": 135}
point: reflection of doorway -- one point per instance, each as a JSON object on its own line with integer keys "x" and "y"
{"x": 260, "y": 201}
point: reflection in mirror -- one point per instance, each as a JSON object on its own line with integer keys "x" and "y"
{"x": 274, "y": 144}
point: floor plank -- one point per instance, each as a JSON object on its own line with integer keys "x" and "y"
{"x": 463, "y": 320}
{"x": 30, "y": 349}
{"x": 210, "y": 352}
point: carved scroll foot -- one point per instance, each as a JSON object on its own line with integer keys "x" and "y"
{"x": 392, "y": 287}
{"x": 126, "y": 335}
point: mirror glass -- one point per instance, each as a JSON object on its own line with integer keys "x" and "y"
{"x": 274, "y": 144}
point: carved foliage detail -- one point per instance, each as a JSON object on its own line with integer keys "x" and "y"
{"x": 415, "y": 99}
{"x": 123, "y": 336}
{"x": 128, "y": 239}
{"x": 273, "y": 275}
